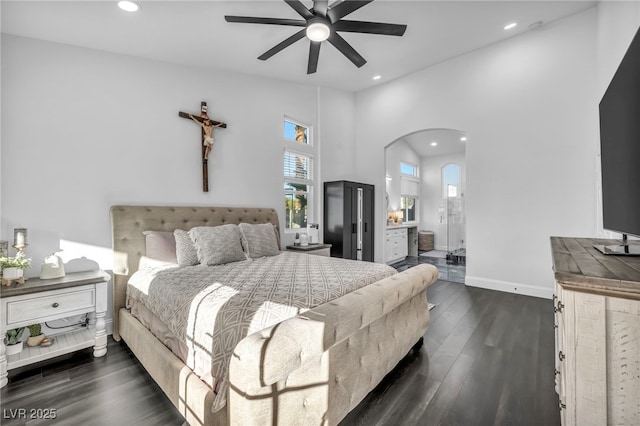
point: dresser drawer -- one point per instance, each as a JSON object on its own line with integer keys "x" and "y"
{"x": 40, "y": 307}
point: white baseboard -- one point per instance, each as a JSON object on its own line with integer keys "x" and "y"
{"x": 509, "y": 287}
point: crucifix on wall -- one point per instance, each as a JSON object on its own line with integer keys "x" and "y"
{"x": 207, "y": 125}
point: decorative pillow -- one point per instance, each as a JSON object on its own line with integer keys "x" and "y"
{"x": 259, "y": 240}
{"x": 217, "y": 244}
{"x": 161, "y": 245}
{"x": 185, "y": 250}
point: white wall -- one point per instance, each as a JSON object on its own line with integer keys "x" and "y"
{"x": 399, "y": 151}
{"x": 83, "y": 130}
{"x": 529, "y": 106}
{"x": 336, "y": 120}
{"x": 618, "y": 22}
{"x": 431, "y": 194}
{"x": 336, "y": 116}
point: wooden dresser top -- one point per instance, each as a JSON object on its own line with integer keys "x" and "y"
{"x": 37, "y": 285}
{"x": 579, "y": 266}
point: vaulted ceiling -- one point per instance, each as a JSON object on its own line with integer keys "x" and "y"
{"x": 194, "y": 33}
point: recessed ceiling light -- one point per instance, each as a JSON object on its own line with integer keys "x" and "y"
{"x": 377, "y": 77}
{"x": 129, "y": 6}
{"x": 434, "y": 143}
{"x": 464, "y": 138}
{"x": 511, "y": 25}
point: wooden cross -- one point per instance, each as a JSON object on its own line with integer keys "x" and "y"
{"x": 207, "y": 125}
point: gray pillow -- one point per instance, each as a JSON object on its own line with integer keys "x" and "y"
{"x": 259, "y": 240}
{"x": 186, "y": 254}
{"x": 217, "y": 245}
{"x": 160, "y": 245}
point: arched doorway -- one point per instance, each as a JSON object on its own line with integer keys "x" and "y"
{"x": 425, "y": 183}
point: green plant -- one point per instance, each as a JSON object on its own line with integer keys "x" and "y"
{"x": 14, "y": 335}
{"x": 35, "y": 329}
{"x": 14, "y": 262}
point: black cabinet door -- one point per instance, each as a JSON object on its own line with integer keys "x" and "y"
{"x": 368, "y": 225}
{"x": 334, "y": 214}
{"x": 351, "y": 218}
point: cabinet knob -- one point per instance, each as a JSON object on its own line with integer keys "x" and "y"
{"x": 559, "y": 307}
{"x": 55, "y": 305}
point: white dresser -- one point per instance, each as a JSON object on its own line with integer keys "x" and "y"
{"x": 396, "y": 244}
{"x": 39, "y": 300}
{"x": 597, "y": 322}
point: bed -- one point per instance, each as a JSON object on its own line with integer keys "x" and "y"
{"x": 311, "y": 368}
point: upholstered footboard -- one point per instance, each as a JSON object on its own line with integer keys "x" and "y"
{"x": 315, "y": 368}
{"x": 190, "y": 395}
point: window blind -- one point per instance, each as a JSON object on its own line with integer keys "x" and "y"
{"x": 297, "y": 166}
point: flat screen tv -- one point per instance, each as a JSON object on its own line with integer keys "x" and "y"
{"x": 620, "y": 151}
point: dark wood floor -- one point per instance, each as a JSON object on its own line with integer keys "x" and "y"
{"x": 487, "y": 359}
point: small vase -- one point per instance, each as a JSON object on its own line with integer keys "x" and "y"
{"x": 12, "y": 273}
{"x": 14, "y": 349}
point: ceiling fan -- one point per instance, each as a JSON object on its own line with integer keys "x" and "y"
{"x": 322, "y": 22}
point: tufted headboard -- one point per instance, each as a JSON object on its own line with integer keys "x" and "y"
{"x": 129, "y": 222}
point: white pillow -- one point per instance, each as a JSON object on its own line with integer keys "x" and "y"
{"x": 217, "y": 245}
{"x": 259, "y": 240}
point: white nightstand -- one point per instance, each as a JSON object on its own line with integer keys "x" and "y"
{"x": 39, "y": 300}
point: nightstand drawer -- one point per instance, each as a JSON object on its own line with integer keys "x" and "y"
{"x": 40, "y": 307}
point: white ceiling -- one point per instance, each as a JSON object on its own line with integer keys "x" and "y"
{"x": 194, "y": 33}
{"x": 448, "y": 141}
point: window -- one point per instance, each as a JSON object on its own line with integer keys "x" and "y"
{"x": 298, "y": 185}
{"x": 408, "y": 206}
{"x": 299, "y": 174}
{"x": 296, "y": 132}
{"x": 408, "y": 169}
{"x": 451, "y": 179}
{"x": 409, "y": 198}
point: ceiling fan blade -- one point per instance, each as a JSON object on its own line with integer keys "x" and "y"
{"x": 320, "y": 7}
{"x": 271, "y": 21}
{"x": 346, "y": 49}
{"x": 345, "y": 8}
{"x": 280, "y": 46}
{"x": 314, "y": 54}
{"x": 300, "y": 8}
{"x": 370, "y": 27}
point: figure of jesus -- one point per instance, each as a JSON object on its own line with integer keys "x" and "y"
{"x": 207, "y": 128}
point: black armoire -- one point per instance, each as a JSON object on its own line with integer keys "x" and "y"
{"x": 348, "y": 219}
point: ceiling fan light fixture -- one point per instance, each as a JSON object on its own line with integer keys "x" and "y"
{"x": 318, "y": 31}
